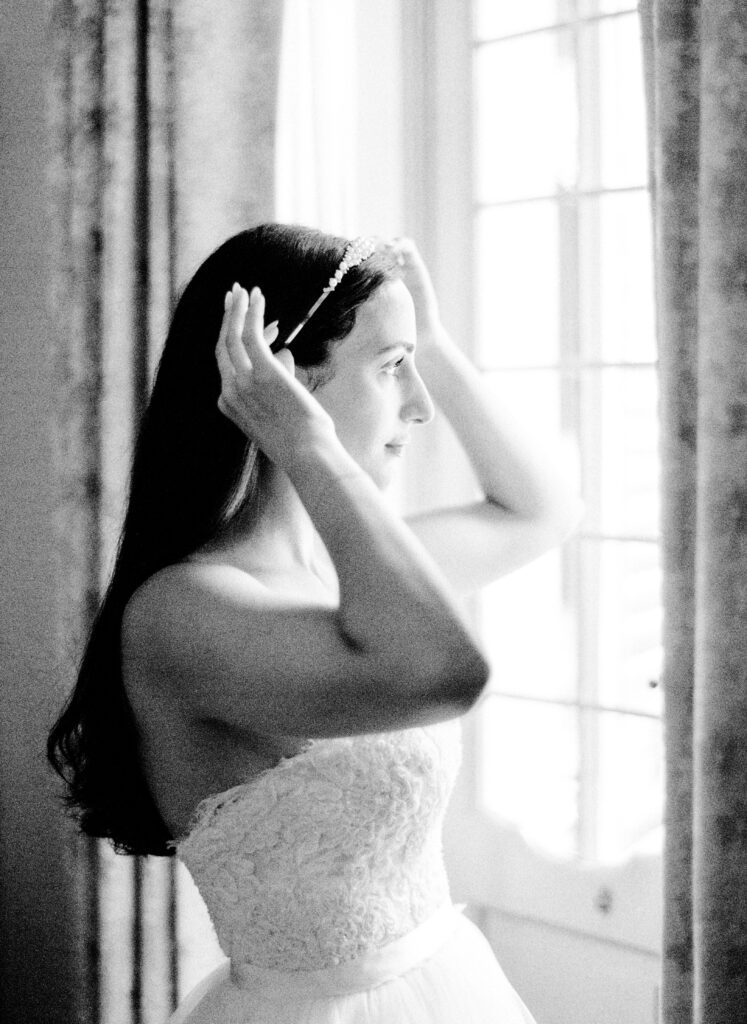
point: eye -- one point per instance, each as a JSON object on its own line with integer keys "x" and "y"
{"x": 394, "y": 367}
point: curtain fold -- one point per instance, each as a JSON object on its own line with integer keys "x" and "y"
{"x": 163, "y": 118}
{"x": 696, "y": 54}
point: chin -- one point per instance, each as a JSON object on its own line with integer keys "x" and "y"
{"x": 385, "y": 477}
{"x": 384, "y": 471}
{"x": 382, "y": 476}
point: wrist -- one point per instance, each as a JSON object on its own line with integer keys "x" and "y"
{"x": 321, "y": 473}
{"x": 317, "y": 453}
{"x": 436, "y": 350}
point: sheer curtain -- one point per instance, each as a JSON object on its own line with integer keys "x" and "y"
{"x": 317, "y": 117}
{"x": 163, "y": 125}
{"x": 698, "y": 117}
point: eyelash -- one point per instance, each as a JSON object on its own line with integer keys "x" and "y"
{"x": 393, "y": 368}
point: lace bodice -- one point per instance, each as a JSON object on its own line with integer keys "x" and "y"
{"x": 331, "y": 853}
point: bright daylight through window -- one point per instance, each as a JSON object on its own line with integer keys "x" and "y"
{"x": 565, "y": 328}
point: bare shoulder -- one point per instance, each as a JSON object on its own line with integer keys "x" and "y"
{"x": 183, "y": 584}
{"x": 176, "y": 603}
{"x": 204, "y": 628}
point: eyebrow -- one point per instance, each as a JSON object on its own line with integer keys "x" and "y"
{"x": 407, "y": 345}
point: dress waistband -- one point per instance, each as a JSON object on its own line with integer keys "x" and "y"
{"x": 367, "y": 971}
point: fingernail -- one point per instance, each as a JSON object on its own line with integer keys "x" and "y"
{"x": 254, "y": 294}
{"x": 272, "y": 323}
{"x": 228, "y": 301}
{"x": 236, "y": 288}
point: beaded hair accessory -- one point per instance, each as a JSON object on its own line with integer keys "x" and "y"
{"x": 355, "y": 253}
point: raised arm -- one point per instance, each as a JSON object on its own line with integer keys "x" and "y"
{"x": 530, "y": 504}
{"x": 394, "y": 653}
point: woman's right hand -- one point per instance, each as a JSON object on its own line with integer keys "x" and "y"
{"x": 259, "y": 391}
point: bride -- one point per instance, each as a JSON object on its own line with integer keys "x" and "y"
{"x": 272, "y": 686}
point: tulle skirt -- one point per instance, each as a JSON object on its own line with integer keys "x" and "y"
{"x": 442, "y": 972}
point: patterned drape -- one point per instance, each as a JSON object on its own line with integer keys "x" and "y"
{"x": 697, "y": 81}
{"x": 163, "y": 123}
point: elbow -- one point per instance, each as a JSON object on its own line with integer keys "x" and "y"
{"x": 561, "y": 520}
{"x": 451, "y": 672}
{"x": 463, "y": 676}
{"x": 566, "y": 517}
{"x": 473, "y": 679}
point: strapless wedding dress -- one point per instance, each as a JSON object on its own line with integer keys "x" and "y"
{"x": 325, "y": 881}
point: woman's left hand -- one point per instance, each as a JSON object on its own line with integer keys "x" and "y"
{"x": 417, "y": 279}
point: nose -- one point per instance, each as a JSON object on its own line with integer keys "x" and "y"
{"x": 418, "y": 405}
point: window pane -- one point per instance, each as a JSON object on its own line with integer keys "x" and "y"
{"x": 528, "y": 627}
{"x": 518, "y": 280}
{"x": 622, "y": 623}
{"x": 199, "y": 952}
{"x": 613, "y": 105}
{"x": 617, "y": 278}
{"x": 564, "y": 286}
{"x": 532, "y": 396}
{"x": 525, "y": 116}
{"x": 495, "y": 18}
{"x": 630, "y": 793}
{"x": 528, "y": 770}
{"x": 619, "y": 446}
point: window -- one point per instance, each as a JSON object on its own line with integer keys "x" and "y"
{"x": 545, "y": 278}
{"x": 564, "y": 326}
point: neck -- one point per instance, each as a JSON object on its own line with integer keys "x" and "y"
{"x": 278, "y": 529}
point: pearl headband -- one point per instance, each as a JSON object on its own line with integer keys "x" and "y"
{"x": 356, "y": 252}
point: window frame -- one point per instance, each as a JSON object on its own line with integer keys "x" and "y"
{"x": 489, "y": 865}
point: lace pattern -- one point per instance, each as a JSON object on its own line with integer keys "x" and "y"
{"x": 331, "y": 853}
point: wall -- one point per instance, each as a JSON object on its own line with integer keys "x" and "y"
{"x": 35, "y": 894}
{"x": 569, "y": 978}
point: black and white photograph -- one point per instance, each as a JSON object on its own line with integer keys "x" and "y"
{"x": 373, "y": 476}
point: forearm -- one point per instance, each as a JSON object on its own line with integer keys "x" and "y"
{"x": 393, "y": 599}
{"x": 514, "y": 471}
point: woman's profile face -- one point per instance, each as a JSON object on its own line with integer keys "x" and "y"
{"x": 375, "y": 393}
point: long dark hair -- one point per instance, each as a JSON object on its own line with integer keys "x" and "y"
{"x": 193, "y": 472}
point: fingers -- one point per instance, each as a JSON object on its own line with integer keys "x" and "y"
{"x": 234, "y": 345}
{"x": 285, "y": 358}
{"x": 402, "y": 249}
{"x": 271, "y": 332}
{"x": 392, "y": 248}
{"x": 225, "y": 365}
{"x": 241, "y": 331}
{"x": 254, "y": 330}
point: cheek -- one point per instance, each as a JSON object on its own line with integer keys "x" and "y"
{"x": 361, "y": 426}
{"x": 358, "y": 409}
